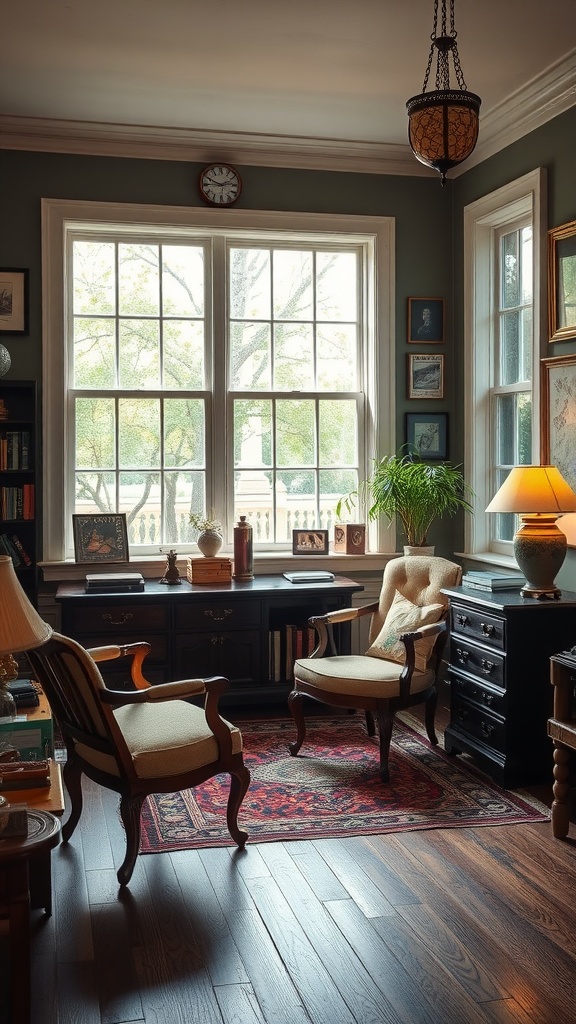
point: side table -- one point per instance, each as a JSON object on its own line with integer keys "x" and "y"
{"x": 16, "y": 899}
{"x": 562, "y": 730}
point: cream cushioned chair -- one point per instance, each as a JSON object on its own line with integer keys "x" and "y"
{"x": 138, "y": 742}
{"x": 407, "y": 637}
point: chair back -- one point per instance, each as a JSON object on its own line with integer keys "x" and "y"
{"x": 71, "y": 680}
{"x": 419, "y": 578}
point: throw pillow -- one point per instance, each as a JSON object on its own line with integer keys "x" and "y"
{"x": 405, "y": 617}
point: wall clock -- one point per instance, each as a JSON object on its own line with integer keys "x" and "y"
{"x": 220, "y": 184}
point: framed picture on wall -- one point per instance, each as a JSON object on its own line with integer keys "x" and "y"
{"x": 427, "y": 434}
{"x": 425, "y": 376}
{"x": 425, "y": 321}
{"x": 13, "y": 301}
{"x": 562, "y": 282}
{"x": 558, "y": 426}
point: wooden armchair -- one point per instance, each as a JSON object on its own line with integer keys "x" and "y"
{"x": 149, "y": 740}
{"x": 400, "y": 669}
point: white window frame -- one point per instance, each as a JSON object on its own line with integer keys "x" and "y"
{"x": 484, "y": 221}
{"x": 59, "y": 217}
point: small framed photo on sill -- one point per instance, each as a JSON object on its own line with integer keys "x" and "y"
{"x": 425, "y": 376}
{"x": 425, "y": 321}
{"x": 100, "y": 538}
{"x": 309, "y": 542}
{"x": 427, "y": 434}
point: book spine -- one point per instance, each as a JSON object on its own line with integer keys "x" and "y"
{"x": 21, "y": 550}
{"x": 10, "y": 550}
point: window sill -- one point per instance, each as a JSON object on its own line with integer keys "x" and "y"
{"x": 488, "y": 558}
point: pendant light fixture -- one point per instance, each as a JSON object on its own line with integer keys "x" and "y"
{"x": 443, "y": 123}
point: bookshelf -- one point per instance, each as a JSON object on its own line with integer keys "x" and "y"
{"x": 18, "y": 446}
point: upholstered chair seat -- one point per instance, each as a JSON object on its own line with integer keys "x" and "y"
{"x": 407, "y": 634}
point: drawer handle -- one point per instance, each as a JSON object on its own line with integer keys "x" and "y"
{"x": 218, "y": 616}
{"x": 487, "y": 629}
{"x": 462, "y": 655}
{"x": 118, "y": 622}
{"x": 462, "y": 620}
{"x": 217, "y": 640}
{"x": 486, "y": 730}
{"x": 488, "y": 699}
{"x": 462, "y": 715}
{"x": 487, "y": 666}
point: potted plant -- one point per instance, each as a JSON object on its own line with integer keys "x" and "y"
{"x": 209, "y": 539}
{"x": 413, "y": 490}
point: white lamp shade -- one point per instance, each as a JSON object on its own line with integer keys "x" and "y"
{"x": 21, "y": 628}
{"x": 532, "y": 490}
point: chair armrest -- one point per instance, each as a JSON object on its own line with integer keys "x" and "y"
{"x": 323, "y": 625}
{"x": 137, "y": 652}
{"x": 179, "y": 690}
{"x": 409, "y": 639}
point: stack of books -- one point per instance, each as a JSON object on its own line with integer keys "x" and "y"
{"x": 209, "y": 570}
{"x": 478, "y": 580}
{"x": 114, "y": 582}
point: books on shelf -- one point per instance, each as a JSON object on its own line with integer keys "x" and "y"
{"x": 484, "y": 580}
{"x": 114, "y": 582}
{"x": 286, "y": 644}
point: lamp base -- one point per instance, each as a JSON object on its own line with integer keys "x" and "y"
{"x": 540, "y": 550}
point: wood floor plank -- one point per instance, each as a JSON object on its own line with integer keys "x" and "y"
{"x": 239, "y": 1005}
{"x": 357, "y": 883}
{"x": 72, "y": 917}
{"x": 315, "y": 869}
{"x": 77, "y": 994}
{"x": 378, "y": 871}
{"x": 117, "y": 982}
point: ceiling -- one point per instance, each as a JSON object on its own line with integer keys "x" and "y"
{"x": 309, "y": 83}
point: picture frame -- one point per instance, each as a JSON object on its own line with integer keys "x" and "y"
{"x": 562, "y": 282}
{"x": 427, "y": 434}
{"x": 14, "y": 300}
{"x": 425, "y": 376}
{"x": 309, "y": 542}
{"x": 100, "y": 538}
{"x": 425, "y": 321}
{"x": 558, "y": 426}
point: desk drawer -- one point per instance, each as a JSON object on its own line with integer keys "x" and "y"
{"x": 474, "y": 721}
{"x": 219, "y": 615}
{"x": 485, "y": 628}
{"x": 485, "y": 697}
{"x": 113, "y": 620}
{"x": 487, "y": 665}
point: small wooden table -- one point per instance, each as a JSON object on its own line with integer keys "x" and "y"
{"x": 17, "y": 897}
{"x": 562, "y": 730}
{"x": 45, "y": 798}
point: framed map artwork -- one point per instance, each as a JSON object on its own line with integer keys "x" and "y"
{"x": 558, "y": 426}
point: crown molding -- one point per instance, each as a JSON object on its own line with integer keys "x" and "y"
{"x": 542, "y": 99}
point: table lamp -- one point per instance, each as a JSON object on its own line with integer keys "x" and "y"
{"x": 538, "y": 494}
{"x": 21, "y": 628}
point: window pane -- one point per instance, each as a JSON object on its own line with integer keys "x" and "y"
{"x": 337, "y": 358}
{"x": 184, "y": 432}
{"x": 250, "y": 284}
{"x": 292, "y": 285}
{"x": 524, "y": 429}
{"x": 138, "y": 280}
{"x": 178, "y": 502}
{"x": 510, "y": 348}
{"x": 95, "y": 492}
{"x": 293, "y": 357}
{"x": 182, "y": 280}
{"x": 184, "y": 355}
{"x": 338, "y": 434}
{"x": 252, "y": 433}
{"x": 95, "y": 433}
{"x": 94, "y": 353}
{"x": 250, "y": 365}
{"x": 93, "y": 278}
{"x": 139, "y": 354}
{"x": 505, "y": 437}
{"x": 336, "y": 286}
{"x": 139, "y": 497}
{"x": 295, "y": 433}
{"x": 138, "y": 433}
{"x": 510, "y": 271}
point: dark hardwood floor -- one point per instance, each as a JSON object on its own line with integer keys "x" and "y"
{"x": 472, "y": 926}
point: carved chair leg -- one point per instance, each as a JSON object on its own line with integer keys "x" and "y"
{"x": 296, "y": 706}
{"x": 385, "y": 724}
{"x": 73, "y": 783}
{"x": 130, "y": 813}
{"x": 370, "y": 724}
{"x": 239, "y": 782}
{"x": 429, "y": 716}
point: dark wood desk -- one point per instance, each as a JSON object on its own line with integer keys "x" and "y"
{"x": 228, "y": 629}
{"x": 18, "y": 894}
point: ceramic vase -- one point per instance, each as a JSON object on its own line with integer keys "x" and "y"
{"x": 209, "y": 542}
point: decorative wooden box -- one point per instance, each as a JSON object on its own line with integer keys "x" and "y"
{"x": 350, "y": 538}
{"x": 209, "y": 570}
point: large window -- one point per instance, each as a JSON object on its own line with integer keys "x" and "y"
{"x": 504, "y": 308}
{"x": 211, "y": 366}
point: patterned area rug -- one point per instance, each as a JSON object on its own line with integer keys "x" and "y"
{"x": 333, "y": 789}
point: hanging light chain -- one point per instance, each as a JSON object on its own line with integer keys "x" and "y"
{"x": 444, "y": 43}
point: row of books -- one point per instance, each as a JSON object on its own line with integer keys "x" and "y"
{"x": 12, "y": 545}
{"x": 17, "y": 502}
{"x": 286, "y": 645}
{"x": 14, "y": 449}
{"x": 478, "y": 580}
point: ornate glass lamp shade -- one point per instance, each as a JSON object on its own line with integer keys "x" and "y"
{"x": 443, "y": 127}
{"x": 538, "y": 494}
{"x": 443, "y": 123}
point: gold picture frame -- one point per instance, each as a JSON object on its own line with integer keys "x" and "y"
{"x": 562, "y": 282}
{"x": 558, "y": 426}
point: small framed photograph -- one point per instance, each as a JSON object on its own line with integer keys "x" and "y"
{"x": 427, "y": 434}
{"x": 425, "y": 376}
{"x": 425, "y": 321}
{"x": 309, "y": 542}
{"x": 13, "y": 301}
{"x": 100, "y": 538}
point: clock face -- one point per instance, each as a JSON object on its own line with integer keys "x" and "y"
{"x": 220, "y": 184}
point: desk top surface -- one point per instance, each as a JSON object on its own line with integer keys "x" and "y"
{"x": 260, "y": 586}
